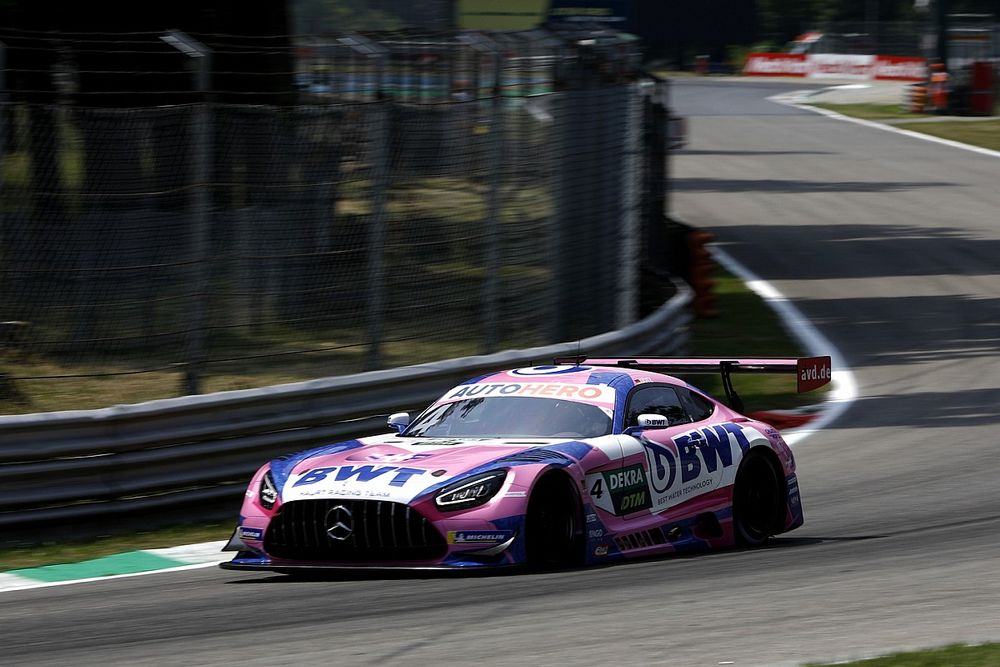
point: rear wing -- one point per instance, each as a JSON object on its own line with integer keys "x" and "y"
{"x": 810, "y": 372}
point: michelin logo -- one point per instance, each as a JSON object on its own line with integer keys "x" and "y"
{"x": 478, "y": 537}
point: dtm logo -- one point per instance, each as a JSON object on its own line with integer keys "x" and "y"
{"x": 689, "y": 462}
{"x": 359, "y": 474}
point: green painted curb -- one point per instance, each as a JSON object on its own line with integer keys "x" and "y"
{"x": 142, "y": 562}
{"x": 127, "y": 563}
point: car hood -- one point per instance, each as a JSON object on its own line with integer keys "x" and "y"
{"x": 401, "y": 469}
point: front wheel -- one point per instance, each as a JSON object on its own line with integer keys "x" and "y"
{"x": 758, "y": 501}
{"x": 552, "y": 526}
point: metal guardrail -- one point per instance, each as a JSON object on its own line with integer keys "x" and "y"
{"x": 69, "y": 468}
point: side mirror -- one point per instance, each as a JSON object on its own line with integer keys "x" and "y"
{"x": 648, "y": 421}
{"x": 399, "y": 421}
{"x": 653, "y": 421}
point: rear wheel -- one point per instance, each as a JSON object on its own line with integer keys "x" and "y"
{"x": 553, "y": 533}
{"x": 758, "y": 500}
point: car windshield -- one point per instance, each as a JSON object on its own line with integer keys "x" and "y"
{"x": 514, "y": 416}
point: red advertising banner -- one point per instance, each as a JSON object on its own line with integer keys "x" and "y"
{"x": 776, "y": 64}
{"x": 901, "y": 68}
{"x": 840, "y": 66}
{"x": 837, "y": 66}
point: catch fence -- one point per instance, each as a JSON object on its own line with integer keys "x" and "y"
{"x": 359, "y": 202}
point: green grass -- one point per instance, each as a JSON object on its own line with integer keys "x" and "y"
{"x": 984, "y": 655}
{"x": 76, "y": 551}
{"x": 87, "y": 393}
{"x": 984, "y": 133}
{"x": 869, "y": 111}
{"x": 445, "y": 213}
{"x": 746, "y": 326}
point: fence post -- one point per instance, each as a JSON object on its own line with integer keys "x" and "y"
{"x": 491, "y": 259}
{"x": 627, "y": 303}
{"x": 663, "y": 93}
{"x": 3, "y": 109}
{"x": 382, "y": 154}
{"x": 491, "y": 285}
{"x": 200, "y": 205}
{"x": 381, "y": 136}
{"x": 3, "y": 128}
{"x": 4, "y": 119}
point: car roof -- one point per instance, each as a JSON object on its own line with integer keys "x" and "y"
{"x": 620, "y": 378}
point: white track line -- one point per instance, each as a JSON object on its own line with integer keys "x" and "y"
{"x": 845, "y": 389}
{"x": 795, "y": 102}
{"x": 10, "y": 582}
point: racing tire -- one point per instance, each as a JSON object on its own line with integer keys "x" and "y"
{"x": 758, "y": 500}
{"x": 553, "y": 528}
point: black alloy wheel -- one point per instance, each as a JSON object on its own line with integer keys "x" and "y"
{"x": 758, "y": 501}
{"x": 552, "y": 526}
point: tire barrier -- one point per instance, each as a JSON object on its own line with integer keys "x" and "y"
{"x": 916, "y": 101}
{"x": 701, "y": 265}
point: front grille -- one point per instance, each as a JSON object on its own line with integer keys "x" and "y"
{"x": 379, "y": 531}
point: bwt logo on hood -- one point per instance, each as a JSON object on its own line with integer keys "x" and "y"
{"x": 365, "y": 473}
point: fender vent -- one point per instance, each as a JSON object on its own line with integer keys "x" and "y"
{"x": 638, "y": 540}
{"x": 539, "y": 455}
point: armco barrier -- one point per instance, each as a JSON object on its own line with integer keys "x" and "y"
{"x": 178, "y": 455}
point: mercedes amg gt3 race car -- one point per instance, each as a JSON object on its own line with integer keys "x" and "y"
{"x": 584, "y": 461}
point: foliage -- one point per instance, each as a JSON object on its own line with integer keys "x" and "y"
{"x": 323, "y": 17}
{"x": 783, "y": 20}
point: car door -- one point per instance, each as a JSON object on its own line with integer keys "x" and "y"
{"x": 682, "y": 459}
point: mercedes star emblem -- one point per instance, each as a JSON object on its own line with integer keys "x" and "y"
{"x": 339, "y": 523}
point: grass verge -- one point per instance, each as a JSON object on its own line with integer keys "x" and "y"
{"x": 983, "y": 132}
{"x": 747, "y": 325}
{"x": 984, "y": 655}
{"x": 74, "y": 552}
{"x": 870, "y": 111}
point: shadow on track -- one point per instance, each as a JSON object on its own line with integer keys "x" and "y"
{"x": 522, "y": 572}
{"x": 733, "y": 153}
{"x": 730, "y": 185}
{"x": 871, "y": 250}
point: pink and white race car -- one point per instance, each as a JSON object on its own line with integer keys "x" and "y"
{"x": 584, "y": 461}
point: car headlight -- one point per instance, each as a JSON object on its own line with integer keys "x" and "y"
{"x": 268, "y": 492}
{"x": 470, "y": 492}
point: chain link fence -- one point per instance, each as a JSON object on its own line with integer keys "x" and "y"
{"x": 426, "y": 197}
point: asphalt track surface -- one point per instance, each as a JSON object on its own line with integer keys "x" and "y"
{"x": 891, "y": 246}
